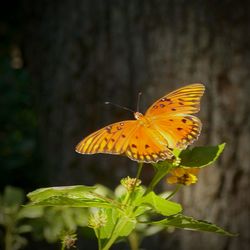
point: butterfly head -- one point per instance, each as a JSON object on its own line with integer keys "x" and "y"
{"x": 143, "y": 120}
{"x": 138, "y": 115}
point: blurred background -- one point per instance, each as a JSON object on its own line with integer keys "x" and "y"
{"x": 61, "y": 60}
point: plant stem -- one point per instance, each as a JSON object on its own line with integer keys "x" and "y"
{"x": 121, "y": 223}
{"x": 149, "y": 188}
{"x": 139, "y": 171}
{"x": 98, "y": 233}
{"x": 125, "y": 201}
{"x": 160, "y": 173}
{"x": 115, "y": 235}
{"x": 63, "y": 246}
{"x": 137, "y": 177}
{"x": 8, "y": 239}
{"x": 174, "y": 192}
{"x": 133, "y": 239}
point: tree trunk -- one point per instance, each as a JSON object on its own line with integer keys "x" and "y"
{"x": 83, "y": 53}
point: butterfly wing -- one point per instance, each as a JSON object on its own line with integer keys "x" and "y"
{"x": 111, "y": 139}
{"x": 185, "y": 100}
{"x": 169, "y": 125}
{"x": 171, "y": 115}
{"x": 128, "y": 137}
{"x": 178, "y": 130}
{"x": 147, "y": 145}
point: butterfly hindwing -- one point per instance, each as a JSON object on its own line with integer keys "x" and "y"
{"x": 147, "y": 145}
{"x": 185, "y": 100}
{"x": 179, "y": 130}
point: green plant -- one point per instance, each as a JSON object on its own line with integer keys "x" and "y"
{"x": 12, "y": 216}
{"x": 47, "y": 223}
{"x": 132, "y": 210}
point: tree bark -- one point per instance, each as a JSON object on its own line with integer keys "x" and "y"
{"x": 83, "y": 53}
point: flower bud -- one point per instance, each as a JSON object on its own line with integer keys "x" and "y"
{"x": 130, "y": 183}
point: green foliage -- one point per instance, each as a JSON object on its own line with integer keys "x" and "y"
{"x": 201, "y": 156}
{"x": 128, "y": 222}
{"x": 189, "y": 223}
{"x": 11, "y": 213}
{"x": 130, "y": 211}
{"x": 159, "y": 204}
{"x": 73, "y": 196}
{"x": 162, "y": 169}
{"x": 56, "y": 221}
{"x": 41, "y": 222}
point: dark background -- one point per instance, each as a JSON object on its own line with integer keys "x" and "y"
{"x": 61, "y": 60}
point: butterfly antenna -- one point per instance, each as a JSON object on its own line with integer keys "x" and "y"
{"x": 138, "y": 101}
{"x": 119, "y": 106}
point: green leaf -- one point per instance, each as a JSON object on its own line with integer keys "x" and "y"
{"x": 201, "y": 156}
{"x": 59, "y": 219}
{"x": 137, "y": 194}
{"x": 30, "y": 212}
{"x": 73, "y": 196}
{"x": 176, "y": 152}
{"x": 163, "y": 166}
{"x": 123, "y": 228}
{"x": 106, "y": 231}
{"x": 159, "y": 204}
{"x": 69, "y": 191}
{"x": 128, "y": 226}
{"x": 189, "y": 223}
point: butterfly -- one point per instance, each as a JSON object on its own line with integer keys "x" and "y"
{"x": 167, "y": 124}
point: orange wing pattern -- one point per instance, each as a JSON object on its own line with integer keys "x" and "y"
{"x": 167, "y": 124}
{"x": 148, "y": 145}
{"x": 185, "y": 100}
{"x": 171, "y": 115}
{"x": 129, "y": 138}
{"x": 112, "y": 139}
{"x": 178, "y": 130}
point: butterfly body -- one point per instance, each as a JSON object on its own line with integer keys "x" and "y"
{"x": 143, "y": 120}
{"x": 167, "y": 124}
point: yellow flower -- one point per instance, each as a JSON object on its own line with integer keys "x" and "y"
{"x": 185, "y": 176}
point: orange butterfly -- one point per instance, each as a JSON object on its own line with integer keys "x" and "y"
{"x": 167, "y": 124}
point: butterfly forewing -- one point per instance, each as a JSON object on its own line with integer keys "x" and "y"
{"x": 111, "y": 139}
{"x": 171, "y": 115}
{"x": 185, "y": 100}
